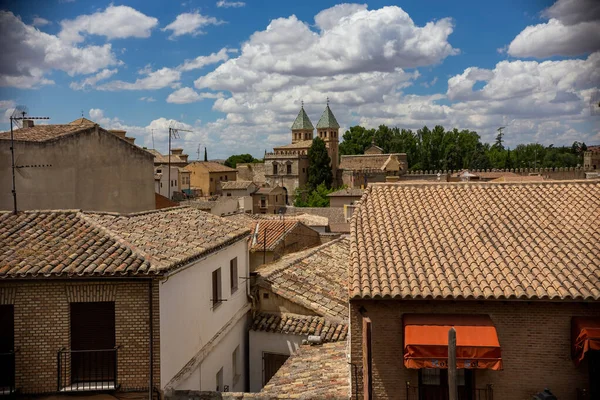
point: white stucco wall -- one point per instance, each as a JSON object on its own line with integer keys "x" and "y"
{"x": 268, "y": 342}
{"x": 187, "y": 318}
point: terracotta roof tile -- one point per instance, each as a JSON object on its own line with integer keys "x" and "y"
{"x": 335, "y": 215}
{"x": 487, "y": 240}
{"x": 236, "y": 185}
{"x": 347, "y": 192}
{"x": 302, "y": 144}
{"x": 270, "y": 231}
{"x": 164, "y": 159}
{"x": 316, "y": 278}
{"x": 211, "y": 166}
{"x": 42, "y": 133}
{"x": 314, "y": 372}
{"x": 56, "y": 243}
{"x": 296, "y": 324}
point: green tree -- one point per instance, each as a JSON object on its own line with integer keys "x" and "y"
{"x": 315, "y": 198}
{"x": 319, "y": 165}
{"x": 205, "y": 155}
{"x": 356, "y": 140}
{"x": 235, "y": 159}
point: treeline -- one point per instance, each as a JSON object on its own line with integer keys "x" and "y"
{"x": 440, "y": 149}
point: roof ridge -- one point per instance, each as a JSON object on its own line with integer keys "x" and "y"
{"x": 485, "y": 184}
{"x": 135, "y": 214}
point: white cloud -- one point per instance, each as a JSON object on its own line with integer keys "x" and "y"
{"x": 230, "y": 4}
{"x": 573, "y": 29}
{"x": 190, "y": 24}
{"x": 188, "y": 95}
{"x": 7, "y": 107}
{"x": 164, "y": 77}
{"x": 201, "y": 61}
{"x": 92, "y": 80}
{"x": 148, "y": 99}
{"x": 115, "y": 22}
{"x": 329, "y": 18}
{"x": 29, "y": 54}
{"x": 39, "y": 21}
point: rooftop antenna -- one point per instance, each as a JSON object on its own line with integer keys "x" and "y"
{"x": 198, "y": 153}
{"x": 81, "y": 113}
{"x": 327, "y": 101}
{"x": 17, "y": 117}
{"x": 302, "y": 103}
{"x": 173, "y": 134}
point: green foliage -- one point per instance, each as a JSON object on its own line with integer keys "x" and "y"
{"x": 319, "y": 165}
{"x": 438, "y": 149}
{"x": 236, "y": 159}
{"x": 205, "y": 155}
{"x": 315, "y": 198}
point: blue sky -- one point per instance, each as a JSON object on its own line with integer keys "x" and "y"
{"x": 235, "y": 72}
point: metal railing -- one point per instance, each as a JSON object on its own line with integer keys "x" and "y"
{"x": 7, "y": 370}
{"x": 441, "y": 393}
{"x": 87, "y": 370}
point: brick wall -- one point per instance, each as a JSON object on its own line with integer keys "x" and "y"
{"x": 42, "y": 327}
{"x": 535, "y": 339}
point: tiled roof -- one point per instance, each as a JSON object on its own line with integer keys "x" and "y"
{"x": 593, "y": 149}
{"x": 42, "y": 133}
{"x": 302, "y": 144}
{"x": 340, "y": 228}
{"x": 361, "y": 162}
{"x": 335, "y": 215}
{"x": 314, "y": 372}
{"x": 164, "y": 159}
{"x": 327, "y": 120}
{"x": 271, "y": 231}
{"x": 347, "y": 192}
{"x": 173, "y": 236}
{"x": 311, "y": 220}
{"x": 268, "y": 190}
{"x": 316, "y": 279}
{"x": 487, "y": 174}
{"x": 66, "y": 243}
{"x": 83, "y": 121}
{"x": 212, "y": 166}
{"x": 236, "y": 185}
{"x": 163, "y": 202}
{"x": 63, "y": 243}
{"x": 296, "y": 324}
{"x": 302, "y": 121}
{"x": 519, "y": 178}
{"x": 477, "y": 241}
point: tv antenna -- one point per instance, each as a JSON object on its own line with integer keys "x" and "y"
{"x": 198, "y": 153}
{"x": 17, "y": 118}
{"x": 173, "y": 134}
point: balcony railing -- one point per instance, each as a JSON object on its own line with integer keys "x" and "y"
{"x": 87, "y": 370}
{"x": 7, "y": 373}
{"x": 441, "y": 393}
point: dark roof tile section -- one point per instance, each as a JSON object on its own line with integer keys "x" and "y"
{"x": 273, "y": 232}
{"x": 316, "y": 279}
{"x": 302, "y": 325}
{"x": 302, "y": 121}
{"x": 64, "y": 243}
{"x": 174, "y": 236}
{"x": 314, "y": 372}
{"x": 327, "y": 120}
{"x": 534, "y": 241}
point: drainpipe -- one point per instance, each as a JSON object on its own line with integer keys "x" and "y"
{"x": 151, "y": 324}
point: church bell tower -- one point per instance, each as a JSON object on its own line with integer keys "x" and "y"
{"x": 302, "y": 129}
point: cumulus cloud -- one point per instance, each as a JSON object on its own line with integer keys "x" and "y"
{"x": 202, "y": 61}
{"x": 190, "y": 24}
{"x": 115, "y": 22}
{"x": 29, "y": 54}
{"x": 573, "y": 29}
{"x": 188, "y": 95}
{"x": 7, "y": 107}
{"x": 164, "y": 77}
{"x": 230, "y": 4}
{"x": 38, "y": 21}
{"x": 92, "y": 80}
{"x": 148, "y": 99}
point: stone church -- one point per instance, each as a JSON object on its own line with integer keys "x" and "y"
{"x": 287, "y": 166}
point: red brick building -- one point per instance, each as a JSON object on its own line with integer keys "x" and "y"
{"x": 514, "y": 267}
{"x": 80, "y": 294}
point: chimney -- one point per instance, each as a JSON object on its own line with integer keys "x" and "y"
{"x": 27, "y": 123}
{"x": 129, "y": 139}
{"x": 184, "y": 157}
{"x": 118, "y": 132}
{"x": 176, "y": 152}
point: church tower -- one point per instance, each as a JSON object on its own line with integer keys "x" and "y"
{"x": 328, "y": 130}
{"x": 302, "y": 129}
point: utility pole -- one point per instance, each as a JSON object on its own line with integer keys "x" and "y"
{"x": 12, "y": 154}
{"x": 265, "y": 246}
{"x": 173, "y": 133}
{"x": 452, "y": 388}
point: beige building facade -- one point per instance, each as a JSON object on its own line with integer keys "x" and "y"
{"x": 591, "y": 158}
{"x": 269, "y": 200}
{"x": 206, "y": 176}
{"x": 75, "y": 166}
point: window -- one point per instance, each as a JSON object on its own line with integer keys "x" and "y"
{"x": 226, "y": 177}
{"x": 211, "y": 179}
{"x": 219, "y": 379}
{"x": 235, "y": 365}
{"x": 216, "y": 288}
{"x": 233, "y": 275}
{"x": 161, "y": 185}
{"x": 271, "y": 364}
{"x": 159, "y": 171}
{"x": 228, "y": 194}
{"x": 274, "y": 169}
{"x": 303, "y": 170}
{"x": 289, "y": 169}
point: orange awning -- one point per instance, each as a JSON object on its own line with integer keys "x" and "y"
{"x": 426, "y": 341}
{"x": 585, "y": 333}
